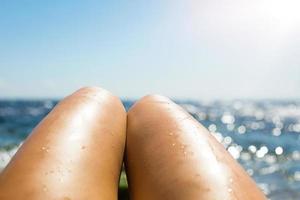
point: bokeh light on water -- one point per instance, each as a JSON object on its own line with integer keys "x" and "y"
{"x": 264, "y": 136}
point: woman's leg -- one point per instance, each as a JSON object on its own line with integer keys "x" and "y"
{"x": 76, "y": 152}
{"x": 171, "y": 156}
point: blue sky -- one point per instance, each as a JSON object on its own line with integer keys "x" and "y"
{"x": 200, "y": 49}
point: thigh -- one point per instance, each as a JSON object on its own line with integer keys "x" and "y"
{"x": 169, "y": 155}
{"x": 76, "y": 152}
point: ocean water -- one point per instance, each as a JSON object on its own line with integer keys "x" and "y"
{"x": 264, "y": 136}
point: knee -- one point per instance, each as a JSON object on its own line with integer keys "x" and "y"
{"x": 92, "y": 94}
{"x": 145, "y": 111}
{"x": 146, "y": 103}
{"x": 154, "y": 97}
{"x": 93, "y": 91}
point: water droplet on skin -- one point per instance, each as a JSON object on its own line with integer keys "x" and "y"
{"x": 45, "y": 149}
{"x": 45, "y": 189}
{"x": 231, "y": 180}
{"x": 171, "y": 133}
{"x": 229, "y": 190}
{"x": 184, "y": 153}
{"x": 173, "y": 144}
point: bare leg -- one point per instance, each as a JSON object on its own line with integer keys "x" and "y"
{"x": 76, "y": 152}
{"x": 171, "y": 156}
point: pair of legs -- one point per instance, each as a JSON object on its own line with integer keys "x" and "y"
{"x": 76, "y": 152}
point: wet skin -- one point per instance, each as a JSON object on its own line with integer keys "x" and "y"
{"x": 76, "y": 152}
{"x": 170, "y": 156}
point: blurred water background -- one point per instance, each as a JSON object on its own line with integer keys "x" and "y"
{"x": 264, "y": 136}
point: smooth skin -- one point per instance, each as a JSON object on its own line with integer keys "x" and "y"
{"x": 75, "y": 153}
{"x": 170, "y": 156}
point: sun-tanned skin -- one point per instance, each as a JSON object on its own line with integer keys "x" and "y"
{"x": 75, "y": 153}
{"x": 170, "y": 156}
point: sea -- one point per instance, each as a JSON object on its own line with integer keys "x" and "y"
{"x": 263, "y": 136}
